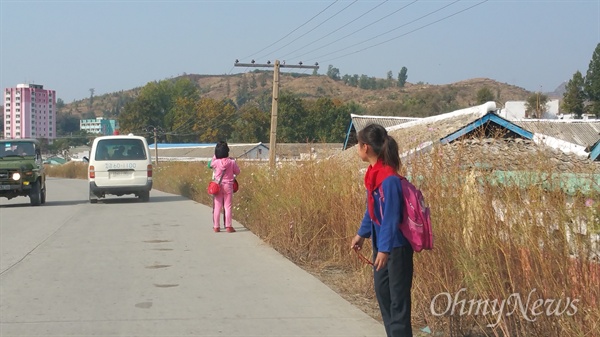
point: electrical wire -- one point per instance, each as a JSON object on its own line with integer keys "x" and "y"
{"x": 356, "y": 31}
{"x": 288, "y": 34}
{"x": 389, "y": 31}
{"x": 317, "y": 26}
{"x": 321, "y": 38}
{"x": 412, "y": 31}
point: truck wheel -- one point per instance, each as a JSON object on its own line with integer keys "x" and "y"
{"x": 44, "y": 194}
{"x": 93, "y": 198}
{"x": 145, "y": 196}
{"x": 35, "y": 195}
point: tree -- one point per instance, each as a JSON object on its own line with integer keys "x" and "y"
{"x": 66, "y": 124}
{"x": 154, "y": 105}
{"x": 592, "y": 82}
{"x": 402, "y": 77}
{"x": 536, "y": 105}
{"x": 293, "y": 126}
{"x": 333, "y": 73}
{"x": 252, "y": 125}
{"x": 484, "y": 95}
{"x": 243, "y": 93}
{"x": 390, "y": 75}
{"x": 59, "y": 104}
{"x": 574, "y": 97}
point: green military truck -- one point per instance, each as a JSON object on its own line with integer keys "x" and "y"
{"x": 21, "y": 170}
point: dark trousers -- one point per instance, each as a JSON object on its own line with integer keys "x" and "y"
{"x": 393, "y": 284}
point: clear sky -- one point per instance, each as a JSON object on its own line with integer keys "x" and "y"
{"x": 74, "y": 45}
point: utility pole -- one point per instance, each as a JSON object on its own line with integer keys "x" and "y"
{"x": 156, "y": 147}
{"x": 274, "y": 106}
{"x": 155, "y": 130}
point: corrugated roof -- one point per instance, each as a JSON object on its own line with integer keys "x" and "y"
{"x": 360, "y": 121}
{"x": 581, "y": 132}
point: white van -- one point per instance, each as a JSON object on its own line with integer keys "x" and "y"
{"x": 120, "y": 165}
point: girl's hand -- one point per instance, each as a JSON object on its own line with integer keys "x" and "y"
{"x": 357, "y": 242}
{"x": 380, "y": 260}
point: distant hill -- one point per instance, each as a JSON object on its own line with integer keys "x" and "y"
{"x": 417, "y": 99}
{"x": 559, "y": 92}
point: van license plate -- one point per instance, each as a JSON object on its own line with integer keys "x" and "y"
{"x": 120, "y": 174}
{"x": 4, "y": 187}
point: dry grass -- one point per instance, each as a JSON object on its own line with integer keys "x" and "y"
{"x": 72, "y": 170}
{"x": 492, "y": 240}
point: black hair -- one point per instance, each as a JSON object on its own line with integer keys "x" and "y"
{"x": 221, "y": 150}
{"x": 384, "y": 146}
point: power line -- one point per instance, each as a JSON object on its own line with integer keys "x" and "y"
{"x": 288, "y": 34}
{"x": 367, "y": 12}
{"x": 317, "y": 26}
{"x": 412, "y": 31}
{"x": 389, "y": 31}
{"x": 358, "y": 30}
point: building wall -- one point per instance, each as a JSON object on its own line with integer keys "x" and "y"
{"x": 259, "y": 152}
{"x": 514, "y": 110}
{"x": 99, "y": 125}
{"x": 29, "y": 112}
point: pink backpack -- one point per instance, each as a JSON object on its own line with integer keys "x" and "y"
{"x": 416, "y": 223}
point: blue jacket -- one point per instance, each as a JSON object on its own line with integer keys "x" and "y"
{"x": 388, "y": 211}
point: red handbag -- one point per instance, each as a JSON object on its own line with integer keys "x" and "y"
{"x": 236, "y": 186}
{"x": 213, "y": 187}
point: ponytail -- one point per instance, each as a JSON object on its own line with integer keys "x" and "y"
{"x": 389, "y": 153}
{"x": 382, "y": 144}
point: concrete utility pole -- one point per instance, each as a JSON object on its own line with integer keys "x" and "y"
{"x": 274, "y": 105}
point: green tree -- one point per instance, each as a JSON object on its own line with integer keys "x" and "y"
{"x": 293, "y": 123}
{"x": 592, "y": 82}
{"x": 574, "y": 97}
{"x": 66, "y": 124}
{"x": 333, "y": 73}
{"x": 364, "y": 82}
{"x": 243, "y": 93}
{"x": 536, "y": 105}
{"x": 402, "y": 77}
{"x": 390, "y": 75}
{"x": 154, "y": 105}
{"x": 328, "y": 120}
{"x": 252, "y": 125}
{"x": 484, "y": 95}
{"x": 59, "y": 104}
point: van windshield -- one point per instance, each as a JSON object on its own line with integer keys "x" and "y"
{"x": 120, "y": 149}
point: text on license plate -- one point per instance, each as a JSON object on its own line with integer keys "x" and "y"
{"x": 120, "y": 174}
{"x": 4, "y": 187}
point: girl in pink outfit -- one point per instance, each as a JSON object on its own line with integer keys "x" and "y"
{"x": 228, "y": 168}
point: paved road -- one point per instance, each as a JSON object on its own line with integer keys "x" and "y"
{"x": 120, "y": 267}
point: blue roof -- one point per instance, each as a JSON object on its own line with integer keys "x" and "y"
{"x": 595, "y": 152}
{"x": 180, "y": 145}
{"x": 489, "y": 117}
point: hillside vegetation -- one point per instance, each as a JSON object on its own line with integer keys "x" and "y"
{"x": 417, "y": 100}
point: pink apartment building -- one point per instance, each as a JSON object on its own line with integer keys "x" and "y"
{"x": 29, "y": 112}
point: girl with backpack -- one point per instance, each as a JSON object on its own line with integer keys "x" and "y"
{"x": 392, "y": 253}
{"x": 224, "y": 170}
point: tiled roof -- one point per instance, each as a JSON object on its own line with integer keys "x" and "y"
{"x": 360, "y": 121}
{"x": 581, "y": 132}
{"x": 431, "y": 129}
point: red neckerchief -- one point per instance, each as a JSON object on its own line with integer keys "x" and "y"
{"x": 375, "y": 175}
